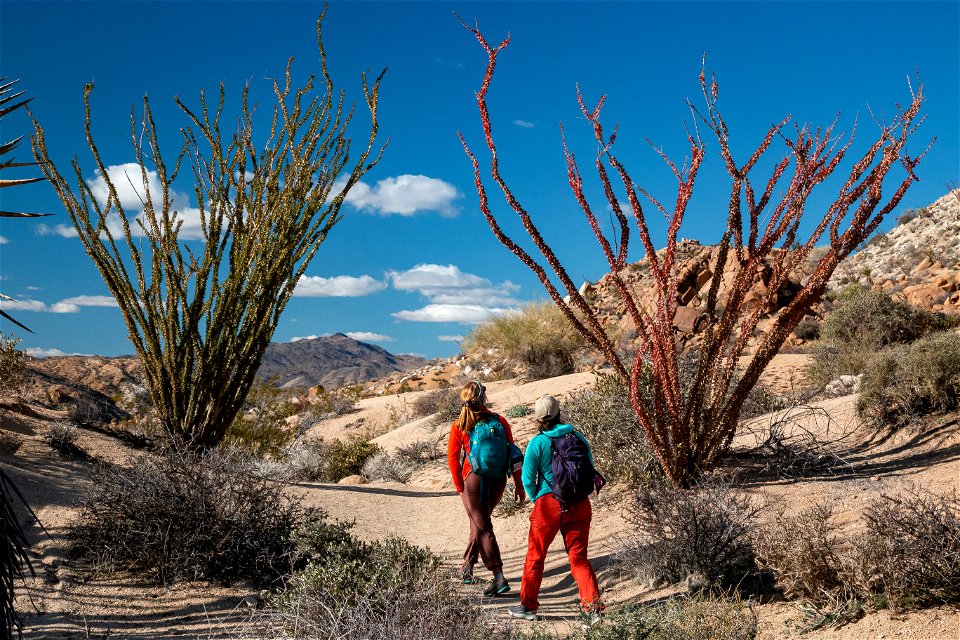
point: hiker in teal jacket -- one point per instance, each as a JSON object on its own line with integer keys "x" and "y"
{"x": 548, "y": 517}
{"x": 537, "y": 473}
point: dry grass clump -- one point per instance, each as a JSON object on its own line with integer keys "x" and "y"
{"x": 863, "y": 322}
{"x": 400, "y": 465}
{"x": 62, "y": 437}
{"x": 606, "y": 418}
{"x": 182, "y": 515}
{"x": 338, "y": 402}
{"x": 538, "y": 337}
{"x": 903, "y": 383}
{"x": 700, "y": 535}
{"x": 353, "y": 590}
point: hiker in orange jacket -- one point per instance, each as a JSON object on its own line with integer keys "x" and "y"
{"x": 480, "y": 494}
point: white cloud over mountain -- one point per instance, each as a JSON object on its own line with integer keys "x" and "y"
{"x": 67, "y": 305}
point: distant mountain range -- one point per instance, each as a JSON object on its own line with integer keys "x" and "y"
{"x": 331, "y": 361}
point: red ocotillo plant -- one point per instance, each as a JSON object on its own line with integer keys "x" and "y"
{"x": 691, "y": 422}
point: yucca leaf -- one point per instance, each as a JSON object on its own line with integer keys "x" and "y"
{"x": 19, "y": 181}
{"x": 10, "y": 146}
{"x": 14, "y": 107}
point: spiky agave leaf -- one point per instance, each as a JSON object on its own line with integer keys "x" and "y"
{"x": 14, "y": 556}
{"x": 9, "y": 104}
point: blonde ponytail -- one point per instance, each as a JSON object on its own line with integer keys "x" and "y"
{"x": 473, "y": 403}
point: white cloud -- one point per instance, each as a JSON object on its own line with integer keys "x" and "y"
{"x": 463, "y": 313}
{"x": 337, "y": 287}
{"x": 62, "y": 230}
{"x": 67, "y": 305}
{"x": 524, "y": 124}
{"x": 3, "y": 240}
{"x": 447, "y": 284}
{"x": 299, "y": 338}
{"x": 366, "y": 336}
{"x": 404, "y": 195}
{"x": 37, "y": 352}
{"x": 450, "y": 338}
{"x": 91, "y": 301}
{"x": 22, "y": 305}
{"x": 454, "y": 296}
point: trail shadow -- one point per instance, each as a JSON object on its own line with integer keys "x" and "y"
{"x": 367, "y": 489}
{"x": 144, "y": 618}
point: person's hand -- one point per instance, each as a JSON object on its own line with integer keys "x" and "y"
{"x": 519, "y": 494}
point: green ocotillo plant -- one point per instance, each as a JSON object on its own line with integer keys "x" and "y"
{"x": 691, "y": 422}
{"x": 201, "y": 318}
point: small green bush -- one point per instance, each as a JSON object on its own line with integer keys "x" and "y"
{"x": 538, "y": 337}
{"x": 260, "y": 427}
{"x": 606, "y": 418}
{"x": 912, "y": 380}
{"x": 347, "y": 457}
{"x": 863, "y": 322}
{"x": 338, "y": 402}
{"x": 808, "y": 329}
{"x": 12, "y": 363}
{"x": 701, "y": 535}
{"x": 518, "y": 411}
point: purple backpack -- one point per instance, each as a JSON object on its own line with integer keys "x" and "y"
{"x": 574, "y": 477}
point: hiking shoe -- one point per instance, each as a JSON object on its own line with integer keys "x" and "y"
{"x": 468, "y": 576}
{"x": 522, "y": 612}
{"x": 497, "y": 587}
{"x": 591, "y": 619}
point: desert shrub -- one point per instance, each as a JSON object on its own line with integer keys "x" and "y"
{"x": 12, "y": 363}
{"x": 317, "y": 460}
{"x": 700, "y": 617}
{"x": 444, "y": 404}
{"x": 606, "y": 418}
{"x": 701, "y": 535}
{"x": 802, "y": 552}
{"x": 911, "y": 549}
{"x": 808, "y": 329}
{"x": 62, "y": 437}
{"x": 903, "y": 382}
{"x": 260, "y": 427}
{"x": 382, "y": 589}
{"x": 420, "y": 451}
{"x": 518, "y": 411}
{"x": 537, "y": 337}
{"x": 347, "y": 457}
{"x": 863, "y": 322}
{"x": 181, "y": 515}
{"x": 338, "y": 402}
{"x": 384, "y": 466}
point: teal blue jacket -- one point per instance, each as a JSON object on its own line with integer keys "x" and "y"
{"x": 537, "y": 470}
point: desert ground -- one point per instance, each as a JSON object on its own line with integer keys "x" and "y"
{"x": 60, "y": 604}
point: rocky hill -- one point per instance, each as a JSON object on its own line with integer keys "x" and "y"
{"x": 918, "y": 260}
{"x": 330, "y": 361}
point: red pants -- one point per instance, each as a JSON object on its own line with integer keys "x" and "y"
{"x": 479, "y": 499}
{"x": 545, "y": 521}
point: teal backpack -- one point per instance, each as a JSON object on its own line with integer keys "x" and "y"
{"x": 489, "y": 449}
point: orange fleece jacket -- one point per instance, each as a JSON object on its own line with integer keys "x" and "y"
{"x": 458, "y": 452}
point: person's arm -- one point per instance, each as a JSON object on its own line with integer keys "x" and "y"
{"x": 531, "y": 468}
{"x": 454, "y": 447}
{"x": 517, "y": 473}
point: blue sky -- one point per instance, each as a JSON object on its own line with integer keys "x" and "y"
{"x": 413, "y": 264}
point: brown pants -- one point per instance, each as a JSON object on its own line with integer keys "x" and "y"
{"x": 479, "y": 497}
